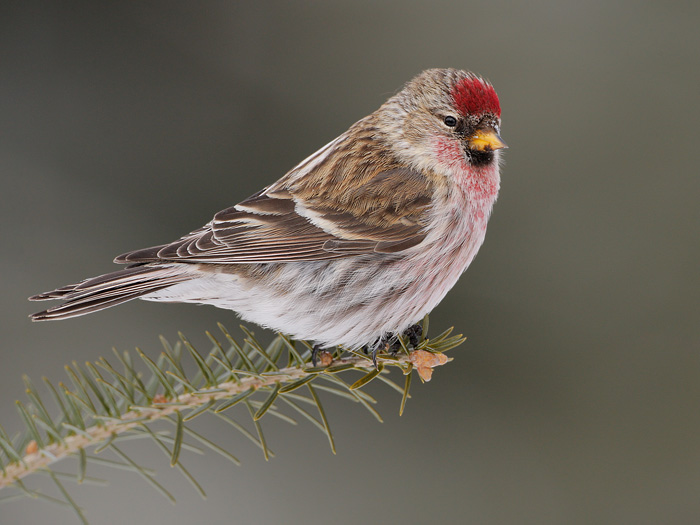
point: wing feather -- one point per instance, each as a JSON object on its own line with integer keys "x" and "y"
{"x": 378, "y": 210}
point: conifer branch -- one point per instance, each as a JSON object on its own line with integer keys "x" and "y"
{"x": 108, "y": 404}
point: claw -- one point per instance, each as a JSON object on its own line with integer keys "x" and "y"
{"x": 314, "y": 354}
{"x": 374, "y": 356}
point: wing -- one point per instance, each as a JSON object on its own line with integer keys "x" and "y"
{"x": 381, "y": 210}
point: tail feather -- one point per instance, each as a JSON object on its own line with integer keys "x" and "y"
{"x": 108, "y": 290}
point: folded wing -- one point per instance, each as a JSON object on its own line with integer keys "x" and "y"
{"x": 291, "y": 221}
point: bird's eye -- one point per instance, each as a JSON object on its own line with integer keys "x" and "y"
{"x": 450, "y": 121}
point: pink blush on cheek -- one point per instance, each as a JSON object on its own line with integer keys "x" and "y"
{"x": 450, "y": 153}
{"x": 480, "y": 182}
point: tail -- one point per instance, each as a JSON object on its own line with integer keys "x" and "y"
{"x": 108, "y": 290}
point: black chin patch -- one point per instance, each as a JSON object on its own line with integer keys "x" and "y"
{"x": 479, "y": 158}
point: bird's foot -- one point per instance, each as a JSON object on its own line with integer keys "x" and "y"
{"x": 412, "y": 334}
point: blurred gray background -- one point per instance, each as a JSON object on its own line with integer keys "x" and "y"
{"x": 576, "y": 398}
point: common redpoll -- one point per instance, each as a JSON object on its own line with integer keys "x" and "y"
{"x": 358, "y": 241}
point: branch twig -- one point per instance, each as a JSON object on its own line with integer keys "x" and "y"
{"x": 136, "y": 416}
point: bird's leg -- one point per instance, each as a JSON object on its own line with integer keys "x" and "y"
{"x": 381, "y": 344}
{"x": 412, "y": 333}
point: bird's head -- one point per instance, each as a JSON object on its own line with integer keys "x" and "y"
{"x": 446, "y": 118}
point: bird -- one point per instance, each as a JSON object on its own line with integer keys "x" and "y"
{"x": 356, "y": 243}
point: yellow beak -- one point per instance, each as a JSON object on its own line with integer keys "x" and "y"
{"x": 486, "y": 140}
